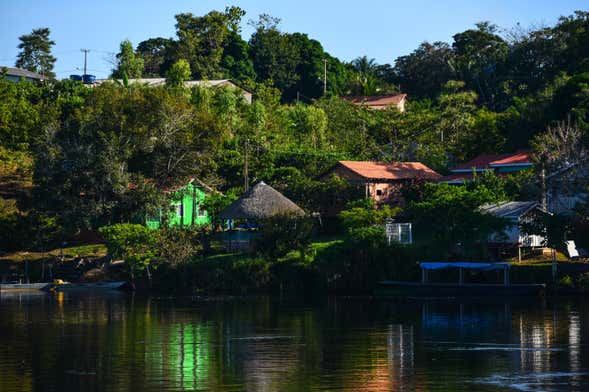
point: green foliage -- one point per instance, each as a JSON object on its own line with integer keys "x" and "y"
{"x": 129, "y": 65}
{"x": 20, "y": 114}
{"x": 283, "y": 233}
{"x": 132, "y": 243}
{"x": 363, "y": 214}
{"x": 449, "y": 216}
{"x": 178, "y": 73}
{"x": 202, "y": 40}
{"x": 35, "y": 52}
{"x": 154, "y": 52}
{"x": 555, "y": 229}
{"x": 566, "y": 281}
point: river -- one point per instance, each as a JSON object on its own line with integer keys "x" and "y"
{"x": 122, "y": 342}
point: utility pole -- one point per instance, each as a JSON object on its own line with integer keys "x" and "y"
{"x": 324, "y": 76}
{"x": 245, "y": 168}
{"x": 85, "y": 58}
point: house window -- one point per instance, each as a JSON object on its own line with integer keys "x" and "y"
{"x": 201, "y": 212}
{"x": 379, "y": 192}
{"x": 179, "y": 210}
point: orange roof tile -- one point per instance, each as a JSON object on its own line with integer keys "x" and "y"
{"x": 390, "y": 171}
{"x": 378, "y": 101}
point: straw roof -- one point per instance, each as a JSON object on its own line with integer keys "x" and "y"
{"x": 261, "y": 202}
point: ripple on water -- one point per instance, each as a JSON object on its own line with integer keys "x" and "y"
{"x": 540, "y": 382}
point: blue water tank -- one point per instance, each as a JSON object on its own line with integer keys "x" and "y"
{"x": 77, "y": 78}
{"x": 88, "y": 79}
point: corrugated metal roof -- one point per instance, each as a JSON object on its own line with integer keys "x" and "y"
{"x": 25, "y": 73}
{"x": 509, "y": 209}
{"x": 390, "y": 171}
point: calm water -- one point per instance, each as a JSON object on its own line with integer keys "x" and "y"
{"x": 120, "y": 342}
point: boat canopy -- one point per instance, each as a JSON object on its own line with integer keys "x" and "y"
{"x": 463, "y": 264}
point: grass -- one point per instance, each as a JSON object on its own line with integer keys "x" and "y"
{"x": 94, "y": 250}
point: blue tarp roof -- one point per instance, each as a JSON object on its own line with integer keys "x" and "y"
{"x": 463, "y": 264}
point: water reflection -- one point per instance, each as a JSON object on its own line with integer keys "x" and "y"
{"x": 119, "y": 342}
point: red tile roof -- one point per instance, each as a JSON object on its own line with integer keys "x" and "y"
{"x": 514, "y": 159}
{"x": 379, "y": 102}
{"x": 390, "y": 171}
{"x": 487, "y": 161}
{"x": 456, "y": 178}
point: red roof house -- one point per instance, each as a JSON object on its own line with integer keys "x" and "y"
{"x": 383, "y": 181}
{"x": 380, "y": 102}
{"x": 500, "y": 164}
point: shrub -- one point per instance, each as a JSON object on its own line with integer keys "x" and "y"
{"x": 282, "y": 234}
{"x": 133, "y": 243}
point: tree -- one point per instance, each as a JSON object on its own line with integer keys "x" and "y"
{"x": 423, "y": 73}
{"x": 479, "y": 57}
{"x": 35, "y": 54}
{"x": 155, "y": 53}
{"x": 449, "y": 216}
{"x": 274, "y": 54}
{"x": 561, "y": 155}
{"x": 178, "y": 74}
{"x": 202, "y": 40}
{"x": 129, "y": 64}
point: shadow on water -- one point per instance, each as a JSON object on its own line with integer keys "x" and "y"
{"x": 118, "y": 341}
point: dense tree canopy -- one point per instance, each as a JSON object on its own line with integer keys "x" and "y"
{"x": 105, "y": 154}
{"x": 35, "y": 52}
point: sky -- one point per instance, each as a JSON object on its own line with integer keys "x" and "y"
{"x": 379, "y": 29}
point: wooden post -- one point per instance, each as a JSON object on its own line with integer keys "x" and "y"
{"x": 554, "y": 265}
{"x": 519, "y": 254}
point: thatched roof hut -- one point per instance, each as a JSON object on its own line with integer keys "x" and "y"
{"x": 261, "y": 202}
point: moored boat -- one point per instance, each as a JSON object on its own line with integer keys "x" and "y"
{"x": 89, "y": 286}
{"x": 24, "y": 286}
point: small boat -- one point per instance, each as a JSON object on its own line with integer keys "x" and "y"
{"x": 24, "y": 286}
{"x": 89, "y": 286}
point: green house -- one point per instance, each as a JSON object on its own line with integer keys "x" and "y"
{"x": 187, "y": 208}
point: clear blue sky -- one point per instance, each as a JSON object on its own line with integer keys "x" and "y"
{"x": 380, "y": 29}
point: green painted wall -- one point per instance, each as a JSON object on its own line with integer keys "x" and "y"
{"x": 186, "y": 202}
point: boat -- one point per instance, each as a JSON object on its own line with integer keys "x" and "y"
{"x": 88, "y": 286}
{"x": 24, "y": 286}
{"x": 440, "y": 290}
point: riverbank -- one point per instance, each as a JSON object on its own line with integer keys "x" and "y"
{"x": 327, "y": 265}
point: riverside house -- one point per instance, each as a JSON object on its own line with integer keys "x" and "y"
{"x": 380, "y": 102}
{"x": 500, "y": 164}
{"x": 517, "y": 213}
{"x": 383, "y": 181}
{"x": 187, "y": 207}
